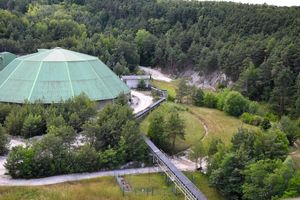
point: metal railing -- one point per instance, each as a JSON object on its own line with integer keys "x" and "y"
{"x": 180, "y": 180}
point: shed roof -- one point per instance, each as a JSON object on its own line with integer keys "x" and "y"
{"x": 56, "y": 74}
{"x": 135, "y": 77}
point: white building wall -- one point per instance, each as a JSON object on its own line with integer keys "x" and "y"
{"x": 134, "y": 83}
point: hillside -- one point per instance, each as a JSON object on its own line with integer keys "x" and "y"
{"x": 255, "y": 46}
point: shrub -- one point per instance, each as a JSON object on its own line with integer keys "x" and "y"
{"x": 251, "y": 119}
{"x": 199, "y": 96}
{"x": 222, "y": 97}
{"x": 253, "y": 107}
{"x": 87, "y": 159}
{"x": 142, "y": 83}
{"x": 210, "y": 100}
{"x": 170, "y": 98}
{"x": 265, "y": 123}
{"x": 234, "y": 104}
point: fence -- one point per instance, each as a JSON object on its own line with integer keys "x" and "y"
{"x": 119, "y": 181}
{"x": 146, "y": 191}
{"x": 152, "y": 191}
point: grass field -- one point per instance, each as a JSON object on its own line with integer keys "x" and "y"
{"x": 201, "y": 182}
{"x": 163, "y": 85}
{"x": 101, "y": 188}
{"x": 194, "y": 130}
{"x": 219, "y": 124}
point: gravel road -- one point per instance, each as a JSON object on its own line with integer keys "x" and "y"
{"x": 155, "y": 74}
{"x": 143, "y": 102}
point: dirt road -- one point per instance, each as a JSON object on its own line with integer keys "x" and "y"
{"x": 156, "y": 74}
{"x": 143, "y": 102}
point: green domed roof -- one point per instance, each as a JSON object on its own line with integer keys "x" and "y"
{"x": 52, "y": 75}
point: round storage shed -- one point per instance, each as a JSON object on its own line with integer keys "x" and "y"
{"x": 56, "y": 74}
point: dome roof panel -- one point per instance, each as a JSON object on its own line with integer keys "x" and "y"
{"x": 57, "y": 74}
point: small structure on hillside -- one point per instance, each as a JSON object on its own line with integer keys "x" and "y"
{"x": 5, "y": 59}
{"x": 133, "y": 81}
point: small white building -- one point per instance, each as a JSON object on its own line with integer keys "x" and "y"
{"x": 133, "y": 81}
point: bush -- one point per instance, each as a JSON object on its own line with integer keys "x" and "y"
{"x": 199, "y": 96}
{"x": 251, "y": 119}
{"x": 289, "y": 128}
{"x": 87, "y": 159}
{"x": 222, "y": 97}
{"x": 210, "y": 100}
{"x": 234, "y": 104}
{"x": 155, "y": 93}
{"x": 265, "y": 123}
{"x": 170, "y": 98}
{"x": 253, "y": 107}
{"x": 142, "y": 83}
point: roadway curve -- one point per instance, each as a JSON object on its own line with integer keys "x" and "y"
{"x": 143, "y": 103}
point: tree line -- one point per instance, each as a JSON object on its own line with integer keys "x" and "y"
{"x": 110, "y": 137}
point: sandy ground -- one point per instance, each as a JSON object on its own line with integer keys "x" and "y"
{"x": 142, "y": 103}
{"x": 155, "y": 74}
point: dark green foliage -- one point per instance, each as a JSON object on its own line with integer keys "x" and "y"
{"x": 210, "y": 100}
{"x": 169, "y": 98}
{"x": 121, "y": 99}
{"x": 142, "y": 83}
{"x": 234, "y": 104}
{"x": 199, "y": 96}
{"x": 175, "y": 127}
{"x": 110, "y": 141}
{"x": 75, "y": 122}
{"x": 222, "y": 97}
{"x": 87, "y": 159}
{"x": 289, "y": 129}
{"x": 266, "y": 179}
{"x": 252, "y": 119}
{"x": 272, "y": 144}
{"x": 293, "y": 188}
{"x": 55, "y": 121}
{"x": 156, "y": 129}
{"x": 228, "y": 178}
{"x": 181, "y": 90}
{"x": 246, "y": 41}
{"x": 238, "y": 169}
{"x": 4, "y": 141}
{"x": 265, "y": 124}
{"x": 5, "y": 109}
{"x": 32, "y": 126}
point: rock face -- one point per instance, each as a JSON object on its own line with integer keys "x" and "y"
{"x": 207, "y": 81}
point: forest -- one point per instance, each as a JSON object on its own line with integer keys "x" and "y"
{"x": 257, "y": 46}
